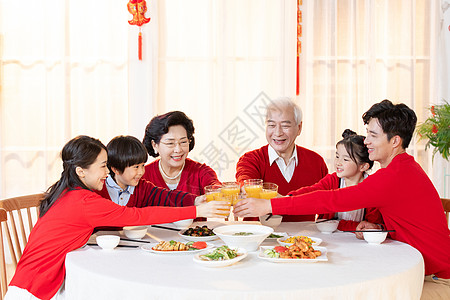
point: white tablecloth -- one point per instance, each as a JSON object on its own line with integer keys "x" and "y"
{"x": 354, "y": 270}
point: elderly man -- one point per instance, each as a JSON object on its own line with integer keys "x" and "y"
{"x": 401, "y": 190}
{"x": 282, "y": 161}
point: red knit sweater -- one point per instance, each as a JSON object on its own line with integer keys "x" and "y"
{"x": 310, "y": 169}
{"x": 194, "y": 178}
{"x": 331, "y": 182}
{"x": 406, "y": 198}
{"x": 67, "y": 226}
{"x": 147, "y": 194}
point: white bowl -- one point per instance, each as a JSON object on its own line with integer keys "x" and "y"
{"x": 248, "y": 242}
{"x": 327, "y": 227}
{"x": 274, "y": 221}
{"x": 108, "y": 242}
{"x": 375, "y": 237}
{"x": 183, "y": 224}
{"x": 135, "y": 232}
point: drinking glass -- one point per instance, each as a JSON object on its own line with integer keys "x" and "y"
{"x": 231, "y": 189}
{"x": 212, "y": 190}
{"x": 269, "y": 191}
{"x": 226, "y": 198}
{"x": 253, "y": 187}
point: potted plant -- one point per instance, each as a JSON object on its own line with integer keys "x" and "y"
{"x": 436, "y": 129}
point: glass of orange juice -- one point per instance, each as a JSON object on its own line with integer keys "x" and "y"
{"x": 253, "y": 187}
{"x": 212, "y": 190}
{"x": 269, "y": 190}
{"x": 231, "y": 189}
{"x": 226, "y": 198}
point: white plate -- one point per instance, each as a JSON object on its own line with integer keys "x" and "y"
{"x": 322, "y": 257}
{"x": 316, "y": 241}
{"x": 283, "y": 236}
{"x": 220, "y": 263}
{"x": 149, "y": 247}
{"x": 197, "y": 238}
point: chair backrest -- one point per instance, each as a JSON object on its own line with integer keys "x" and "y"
{"x": 446, "y": 204}
{"x": 4, "y": 284}
{"x": 14, "y": 207}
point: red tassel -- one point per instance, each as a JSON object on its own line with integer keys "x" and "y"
{"x": 298, "y": 77}
{"x": 140, "y": 46}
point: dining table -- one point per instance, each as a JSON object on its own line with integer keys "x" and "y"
{"x": 354, "y": 269}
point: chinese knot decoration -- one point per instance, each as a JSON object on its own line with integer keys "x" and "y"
{"x": 138, "y": 8}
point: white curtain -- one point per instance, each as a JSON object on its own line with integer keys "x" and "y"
{"x": 70, "y": 67}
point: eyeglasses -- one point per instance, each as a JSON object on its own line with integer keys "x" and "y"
{"x": 182, "y": 144}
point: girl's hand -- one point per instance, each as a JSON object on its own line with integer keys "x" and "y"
{"x": 363, "y": 225}
{"x": 252, "y": 207}
{"x": 213, "y": 209}
{"x": 200, "y": 200}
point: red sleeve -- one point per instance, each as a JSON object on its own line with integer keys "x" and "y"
{"x": 373, "y": 215}
{"x": 347, "y": 225}
{"x": 99, "y": 211}
{"x": 249, "y": 166}
{"x": 148, "y": 194}
{"x": 329, "y": 182}
{"x": 207, "y": 177}
{"x": 364, "y": 194}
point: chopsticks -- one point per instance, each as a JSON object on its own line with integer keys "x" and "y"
{"x": 122, "y": 246}
{"x": 164, "y": 227}
{"x": 270, "y": 216}
{"x": 130, "y": 240}
{"x": 368, "y": 230}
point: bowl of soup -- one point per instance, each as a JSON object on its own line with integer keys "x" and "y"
{"x": 246, "y": 236}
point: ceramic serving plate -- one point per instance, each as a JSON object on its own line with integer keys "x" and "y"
{"x": 219, "y": 263}
{"x": 263, "y": 256}
{"x": 316, "y": 241}
{"x": 149, "y": 248}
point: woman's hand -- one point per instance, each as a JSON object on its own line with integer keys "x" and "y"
{"x": 200, "y": 200}
{"x": 213, "y": 209}
{"x": 252, "y": 207}
{"x": 363, "y": 225}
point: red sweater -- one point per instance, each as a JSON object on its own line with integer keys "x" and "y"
{"x": 310, "y": 169}
{"x": 147, "y": 194}
{"x": 194, "y": 178}
{"x": 406, "y": 198}
{"x": 67, "y": 226}
{"x": 331, "y": 182}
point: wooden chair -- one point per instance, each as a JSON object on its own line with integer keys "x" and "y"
{"x": 4, "y": 283}
{"x": 14, "y": 207}
{"x": 446, "y": 204}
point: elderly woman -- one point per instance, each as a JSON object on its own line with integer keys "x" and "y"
{"x": 171, "y": 136}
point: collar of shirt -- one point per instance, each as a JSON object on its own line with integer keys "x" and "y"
{"x": 115, "y": 191}
{"x": 273, "y": 156}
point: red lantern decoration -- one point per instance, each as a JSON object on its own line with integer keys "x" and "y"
{"x": 138, "y": 8}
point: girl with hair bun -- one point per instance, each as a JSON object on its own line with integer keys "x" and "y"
{"x": 351, "y": 163}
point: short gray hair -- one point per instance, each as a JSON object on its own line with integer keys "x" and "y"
{"x": 282, "y": 102}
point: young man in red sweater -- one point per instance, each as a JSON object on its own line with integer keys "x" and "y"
{"x": 282, "y": 161}
{"x": 401, "y": 190}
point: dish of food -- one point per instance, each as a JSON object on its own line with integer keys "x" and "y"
{"x": 266, "y": 253}
{"x": 174, "y": 247}
{"x": 276, "y": 235}
{"x": 198, "y": 234}
{"x": 220, "y": 257}
{"x": 289, "y": 240}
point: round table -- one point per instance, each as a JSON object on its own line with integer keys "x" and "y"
{"x": 354, "y": 270}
